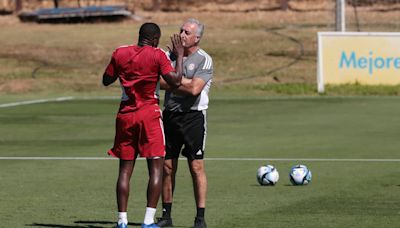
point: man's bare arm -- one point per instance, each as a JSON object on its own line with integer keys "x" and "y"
{"x": 173, "y": 79}
{"x": 191, "y": 87}
{"x": 107, "y": 79}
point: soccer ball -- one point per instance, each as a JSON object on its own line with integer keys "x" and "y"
{"x": 300, "y": 175}
{"x": 267, "y": 175}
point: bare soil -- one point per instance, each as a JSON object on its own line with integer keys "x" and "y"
{"x": 231, "y": 27}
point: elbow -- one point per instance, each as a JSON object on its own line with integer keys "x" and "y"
{"x": 195, "y": 92}
{"x": 107, "y": 80}
{"x": 172, "y": 84}
{"x": 177, "y": 84}
{"x": 105, "y": 83}
{"x": 178, "y": 81}
{"x": 172, "y": 80}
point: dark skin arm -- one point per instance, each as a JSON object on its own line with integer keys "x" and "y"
{"x": 173, "y": 79}
{"x": 108, "y": 80}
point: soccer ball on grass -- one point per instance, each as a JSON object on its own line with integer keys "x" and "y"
{"x": 300, "y": 175}
{"x": 267, "y": 175}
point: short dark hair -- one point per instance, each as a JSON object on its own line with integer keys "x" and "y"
{"x": 148, "y": 31}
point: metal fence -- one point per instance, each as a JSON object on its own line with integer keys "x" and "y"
{"x": 360, "y": 15}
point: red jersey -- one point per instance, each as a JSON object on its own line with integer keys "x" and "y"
{"x": 138, "y": 69}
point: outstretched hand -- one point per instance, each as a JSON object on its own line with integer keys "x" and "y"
{"x": 177, "y": 47}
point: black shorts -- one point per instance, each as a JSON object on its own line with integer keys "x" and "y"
{"x": 187, "y": 130}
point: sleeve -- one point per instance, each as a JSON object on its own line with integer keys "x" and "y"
{"x": 205, "y": 69}
{"x": 164, "y": 63}
{"x": 112, "y": 68}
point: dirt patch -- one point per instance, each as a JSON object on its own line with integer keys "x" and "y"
{"x": 49, "y": 85}
{"x": 249, "y": 45}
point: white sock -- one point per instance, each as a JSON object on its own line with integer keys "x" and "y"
{"x": 149, "y": 216}
{"x": 122, "y": 217}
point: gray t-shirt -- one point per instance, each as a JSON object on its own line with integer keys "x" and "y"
{"x": 199, "y": 65}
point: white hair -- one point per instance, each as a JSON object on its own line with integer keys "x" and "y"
{"x": 200, "y": 26}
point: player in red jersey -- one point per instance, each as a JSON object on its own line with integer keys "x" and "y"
{"x": 139, "y": 127}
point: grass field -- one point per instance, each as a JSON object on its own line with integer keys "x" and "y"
{"x": 266, "y": 51}
{"x": 264, "y": 108}
{"x": 355, "y": 182}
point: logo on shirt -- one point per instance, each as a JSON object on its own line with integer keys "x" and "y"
{"x": 191, "y": 66}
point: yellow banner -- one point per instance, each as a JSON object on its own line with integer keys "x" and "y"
{"x": 365, "y": 58}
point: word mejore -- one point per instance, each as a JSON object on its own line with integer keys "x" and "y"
{"x": 371, "y": 63}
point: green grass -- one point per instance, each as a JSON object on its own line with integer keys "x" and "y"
{"x": 345, "y": 89}
{"x": 250, "y": 119}
{"x": 248, "y": 52}
{"x": 80, "y": 193}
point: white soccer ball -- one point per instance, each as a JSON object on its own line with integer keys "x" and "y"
{"x": 267, "y": 175}
{"x": 300, "y": 175}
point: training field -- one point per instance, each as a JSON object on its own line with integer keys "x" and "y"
{"x": 54, "y": 171}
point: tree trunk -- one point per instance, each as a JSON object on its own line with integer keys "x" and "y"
{"x": 156, "y": 5}
{"x": 284, "y": 4}
{"x": 18, "y": 5}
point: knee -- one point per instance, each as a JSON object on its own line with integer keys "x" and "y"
{"x": 168, "y": 169}
{"x": 197, "y": 169}
{"x": 124, "y": 175}
{"x": 156, "y": 177}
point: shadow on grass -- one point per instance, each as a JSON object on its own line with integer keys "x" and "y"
{"x": 286, "y": 185}
{"x": 83, "y": 224}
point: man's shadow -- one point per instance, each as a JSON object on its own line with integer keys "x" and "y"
{"x": 83, "y": 224}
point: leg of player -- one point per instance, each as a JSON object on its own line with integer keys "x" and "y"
{"x": 155, "y": 168}
{"x": 170, "y": 168}
{"x": 200, "y": 190}
{"x": 122, "y": 189}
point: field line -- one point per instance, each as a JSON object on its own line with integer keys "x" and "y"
{"x": 308, "y": 159}
{"x": 219, "y": 159}
{"x": 57, "y": 158}
{"x": 58, "y": 99}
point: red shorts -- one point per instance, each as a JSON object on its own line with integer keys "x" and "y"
{"x": 139, "y": 133}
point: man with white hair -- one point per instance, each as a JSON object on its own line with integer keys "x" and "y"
{"x": 185, "y": 122}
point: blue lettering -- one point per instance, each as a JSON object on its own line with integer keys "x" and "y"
{"x": 369, "y": 62}
{"x": 344, "y": 59}
{"x": 379, "y": 63}
{"x": 370, "y": 69}
{"x": 362, "y": 62}
{"x": 388, "y": 60}
{"x": 396, "y": 63}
